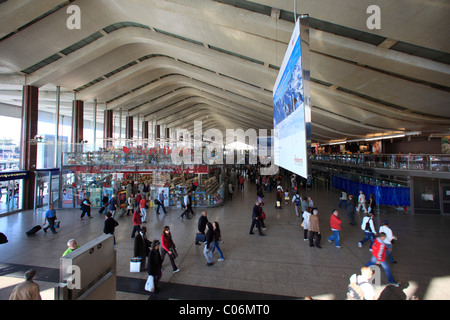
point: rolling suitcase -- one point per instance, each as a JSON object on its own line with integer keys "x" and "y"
{"x": 33, "y": 230}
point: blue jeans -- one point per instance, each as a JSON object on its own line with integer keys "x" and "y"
{"x": 389, "y": 253}
{"x": 335, "y": 237}
{"x": 216, "y": 245}
{"x": 385, "y": 266}
{"x": 345, "y": 203}
{"x": 368, "y": 235}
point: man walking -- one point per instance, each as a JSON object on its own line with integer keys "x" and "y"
{"x": 379, "y": 257}
{"x": 369, "y": 230}
{"x": 161, "y": 198}
{"x": 335, "y": 223}
{"x": 351, "y": 209}
{"x": 188, "y": 205}
{"x": 256, "y": 218}
{"x": 50, "y": 217}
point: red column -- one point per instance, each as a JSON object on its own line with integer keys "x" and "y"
{"x": 77, "y": 124}
{"x": 108, "y": 128}
{"x": 129, "y": 129}
{"x": 145, "y": 129}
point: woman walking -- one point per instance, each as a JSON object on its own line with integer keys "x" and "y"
{"x": 209, "y": 240}
{"x": 217, "y": 238}
{"x": 168, "y": 247}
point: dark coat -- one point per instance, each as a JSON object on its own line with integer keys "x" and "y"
{"x": 110, "y": 225}
{"x": 202, "y": 221}
{"x": 154, "y": 263}
{"x": 141, "y": 246}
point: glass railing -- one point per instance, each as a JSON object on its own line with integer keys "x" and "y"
{"x": 429, "y": 162}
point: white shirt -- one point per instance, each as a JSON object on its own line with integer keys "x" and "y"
{"x": 362, "y": 198}
{"x": 388, "y": 232}
{"x": 306, "y": 216}
{"x": 366, "y": 287}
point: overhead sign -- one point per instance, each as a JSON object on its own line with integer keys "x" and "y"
{"x": 291, "y": 105}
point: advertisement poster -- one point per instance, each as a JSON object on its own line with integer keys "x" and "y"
{"x": 67, "y": 198}
{"x": 95, "y": 196}
{"x": 291, "y": 110}
{"x": 123, "y": 199}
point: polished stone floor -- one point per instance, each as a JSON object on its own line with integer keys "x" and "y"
{"x": 280, "y": 265}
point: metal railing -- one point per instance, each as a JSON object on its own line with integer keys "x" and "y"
{"x": 428, "y": 162}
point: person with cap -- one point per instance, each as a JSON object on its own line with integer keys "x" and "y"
{"x": 71, "y": 246}
{"x": 369, "y": 230}
{"x": 388, "y": 241}
{"x": 27, "y": 290}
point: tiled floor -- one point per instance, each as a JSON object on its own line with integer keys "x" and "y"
{"x": 278, "y": 266}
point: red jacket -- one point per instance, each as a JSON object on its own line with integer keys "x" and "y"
{"x": 167, "y": 242}
{"x": 379, "y": 250}
{"x": 335, "y": 222}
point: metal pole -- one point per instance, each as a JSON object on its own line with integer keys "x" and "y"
{"x": 58, "y": 106}
{"x": 95, "y": 123}
{"x": 120, "y": 125}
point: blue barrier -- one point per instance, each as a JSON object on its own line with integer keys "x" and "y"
{"x": 391, "y": 196}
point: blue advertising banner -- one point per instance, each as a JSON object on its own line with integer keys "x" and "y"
{"x": 390, "y": 196}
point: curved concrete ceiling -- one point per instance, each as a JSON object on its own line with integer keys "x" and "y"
{"x": 176, "y": 61}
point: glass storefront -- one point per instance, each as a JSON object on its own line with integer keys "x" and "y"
{"x": 11, "y": 185}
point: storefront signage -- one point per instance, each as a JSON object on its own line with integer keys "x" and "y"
{"x": 14, "y": 175}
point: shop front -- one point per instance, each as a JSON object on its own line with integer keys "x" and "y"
{"x": 11, "y": 184}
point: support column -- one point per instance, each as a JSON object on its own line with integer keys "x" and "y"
{"x": 77, "y": 125}
{"x": 129, "y": 130}
{"x": 108, "y": 128}
{"x": 157, "y": 132}
{"x": 145, "y": 129}
{"x": 28, "y": 152}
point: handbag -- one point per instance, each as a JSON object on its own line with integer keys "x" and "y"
{"x": 174, "y": 252}
{"x": 150, "y": 284}
{"x": 135, "y": 264}
{"x": 200, "y": 237}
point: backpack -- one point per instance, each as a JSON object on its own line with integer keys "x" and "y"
{"x": 297, "y": 200}
{"x": 355, "y": 292}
